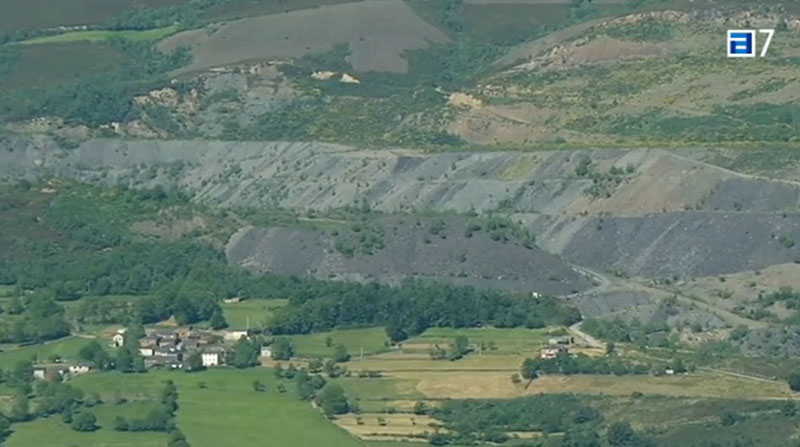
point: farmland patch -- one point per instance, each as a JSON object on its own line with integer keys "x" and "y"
{"x": 377, "y": 32}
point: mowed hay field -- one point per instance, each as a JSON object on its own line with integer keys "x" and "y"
{"x": 505, "y": 340}
{"x": 227, "y": 411}
{"x": 380, "y": 426}
{"x": 35, "y": 14}
{"x": 477, "y": 384}
{"x": 378, "y": 33}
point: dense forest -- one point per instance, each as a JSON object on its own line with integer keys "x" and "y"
{"x": 411, "y": 308}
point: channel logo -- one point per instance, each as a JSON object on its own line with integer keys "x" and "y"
{"x": 742, "y": 43}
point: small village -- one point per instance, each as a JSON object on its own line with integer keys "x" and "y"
{"x": 165, "y": 348}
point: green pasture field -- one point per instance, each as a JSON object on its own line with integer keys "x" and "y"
{"x": 250, "y": 8}
{"x": 67, "y": 348}
{"x": 101, "y": 35}
{"x": 227, "y": 411}
{"x": 52, "y": 432}
{"x": 258, "y": 312}
{"x": 58, "y": 62}
{"x": 18, "y": 15}
{"x": 372, "y": 340}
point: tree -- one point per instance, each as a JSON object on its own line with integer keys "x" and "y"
{"x": 340, "y": 354}
{"x": 217, "y": 320}
{"x": 20, "y": 411}
{"x": 21, "y": 374}
{"x": 194, "y": 362}
{"x": 620, "y": 434}
{"x": 124, "y": 360}
{"x": 579, "y": 436}
{"x": 420, "y": 408}
{"x": 258, "y": 386}
{"x": 794, "y": 381}
{"x": 245, "y": 353}
{"x": 94, "y": 353}
{"x": 729, "y": 417}
{"x": 177, "y": 439}
{"x": 459, "y": 348}
{"x": 134, "y": 332}
{"x": 515, "y": 379}
{"x": 789, "y": 409}
{"x": 14, "y": 306}
{"x": 120, "y": 424}
{"x": 395, "y": 332}
{"x": 282, "y": 349}
{"x": 333, "y": 400}
{"x": 84, "y": 421}
{"x": 530, "y": 369}
{"x": 328, "y": 341}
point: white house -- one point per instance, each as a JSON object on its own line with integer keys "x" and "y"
{"x": 235, "y": 335}
{"x": 79, "y": 369}
{"x": 146, "y": 352}
{"x": 266, "y": 351}
{"x": 552, "y": 352}
{"x": 39, "y": 373}
{"x": 211, "y": 359}
{"x": 118, "y": 340}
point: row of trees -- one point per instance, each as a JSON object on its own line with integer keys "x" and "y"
{"x": 581, "y": 364}
{"x": 410, "y": 308}
{"x": 160, "y": 419}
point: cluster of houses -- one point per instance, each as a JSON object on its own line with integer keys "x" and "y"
{"x": 161, "y": 348}
{"x": 169, "y": 348}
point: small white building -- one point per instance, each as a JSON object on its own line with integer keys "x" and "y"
{"x": 266, "y": 351}
{"x": 235, "y": 335}
{"x": 81, "y": 368}
{"x": 211, "y": 359}
{"x": 552, "y": 352}
{"x": 39, "y": 373}
{"x": 118, "y": 340}
{"x": 146, "y": 352}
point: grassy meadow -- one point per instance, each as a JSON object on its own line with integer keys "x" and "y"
{"x": 51, "y": 432}
{"x": 66, "y": 348}
{"x": 256, "y": 311}
{"x": 226, "y": 410}
{"x": 16, "y": 15}
{"x": 102, "y": 35}
{"x": 371, "y": 340}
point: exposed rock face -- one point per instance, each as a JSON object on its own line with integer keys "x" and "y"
{"x": 661, "y": 214}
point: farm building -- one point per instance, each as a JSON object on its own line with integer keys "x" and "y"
{"x": 80, "y": 368}
{"x": 552, "y": 352}
{"x": 50, "y": 371}
{"x": 235, "y": 335}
